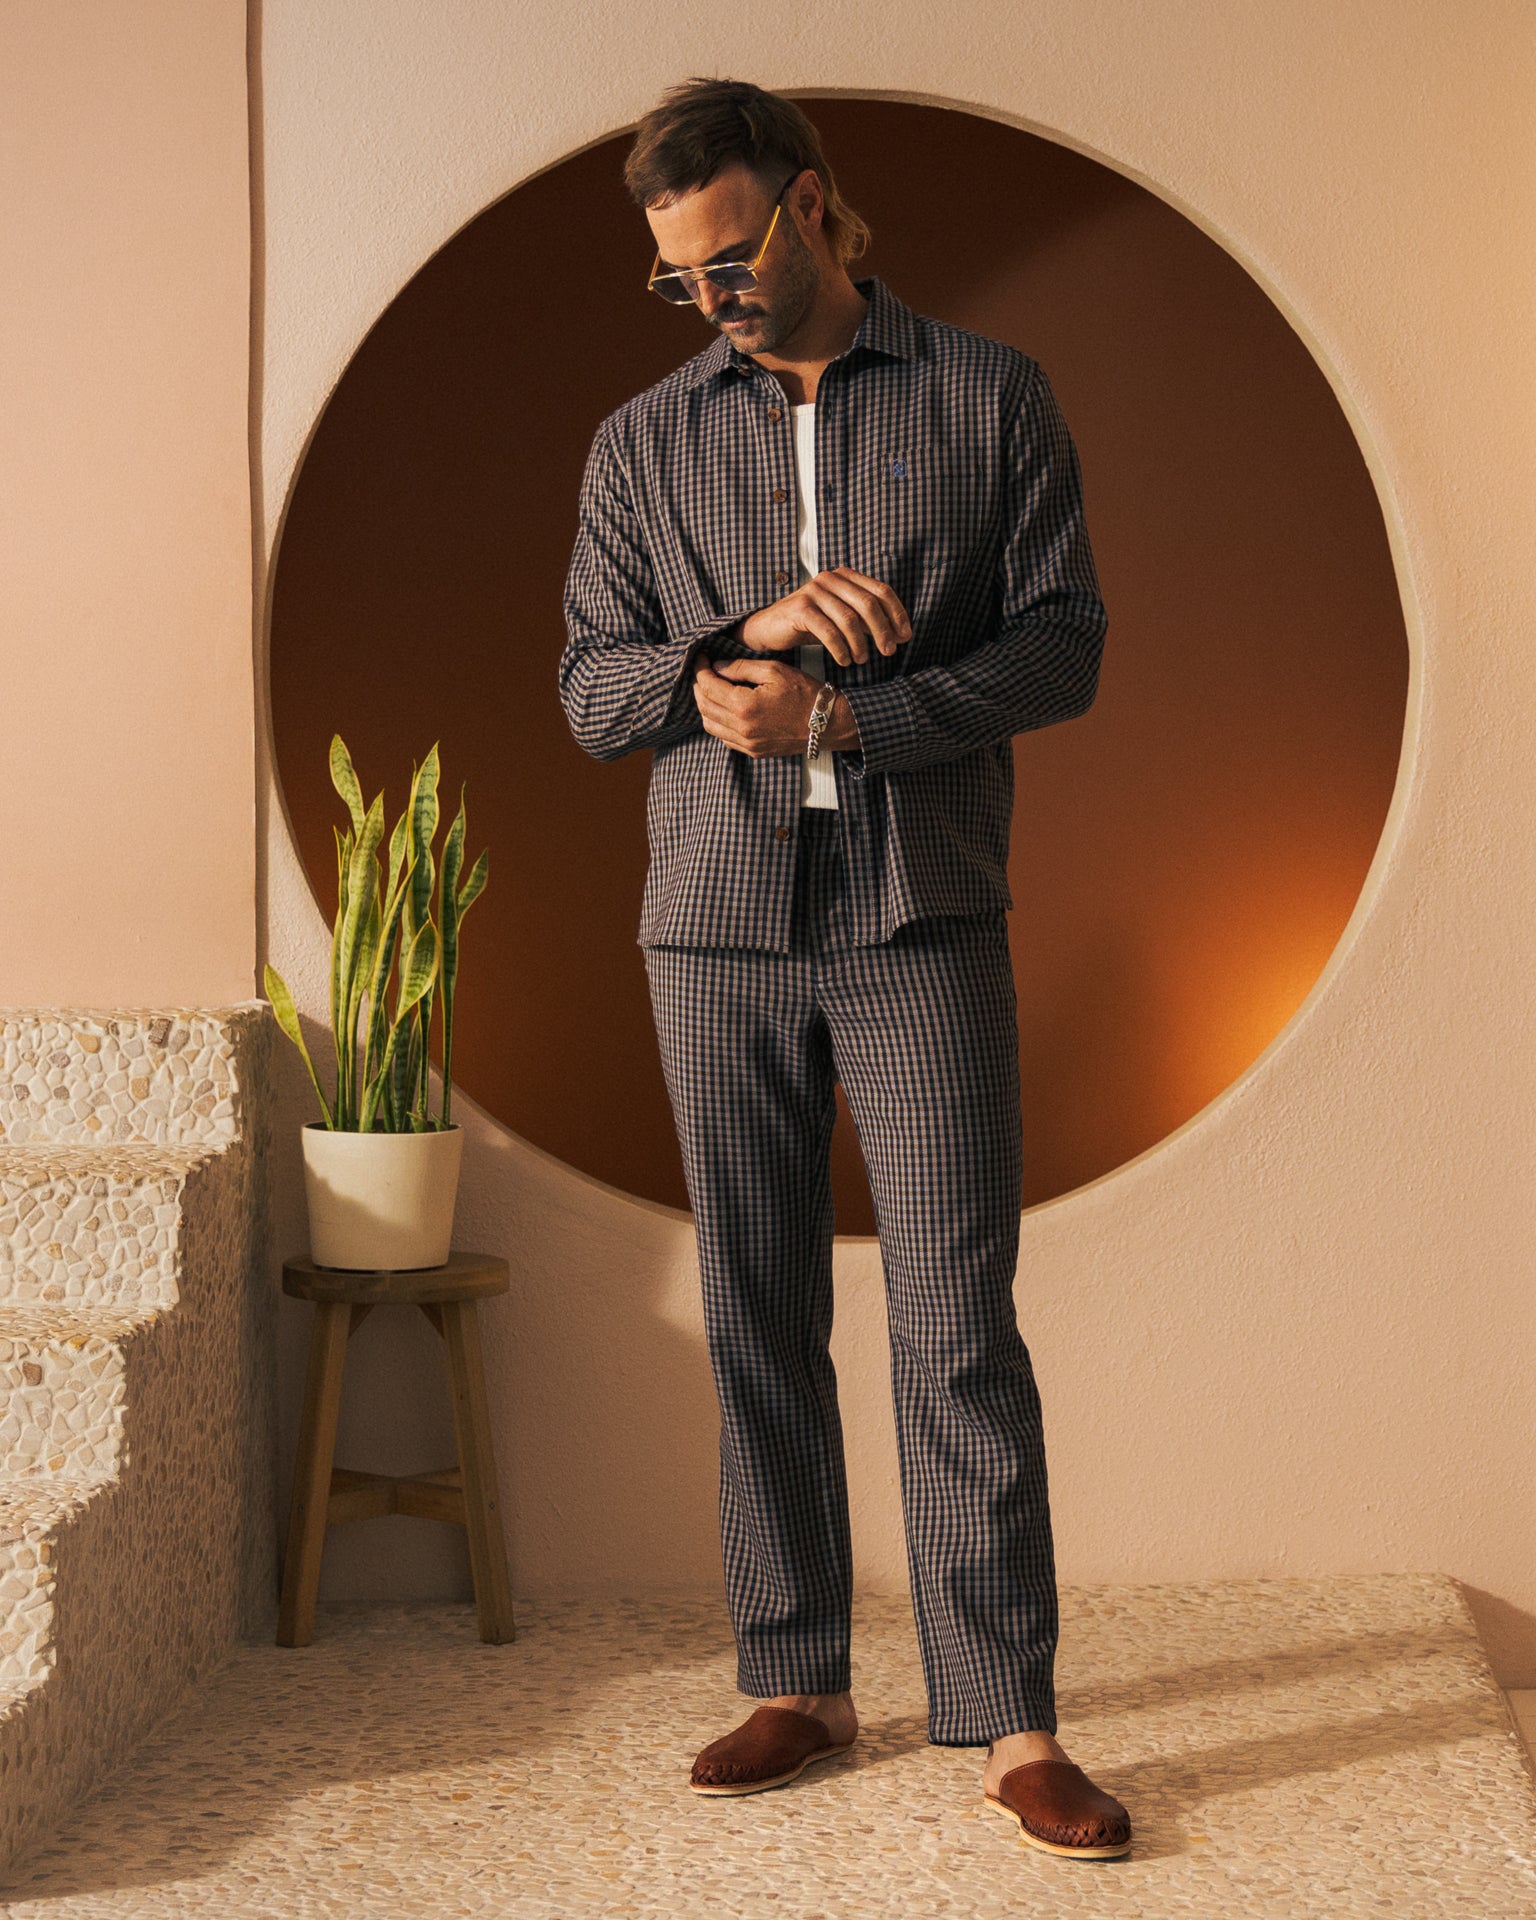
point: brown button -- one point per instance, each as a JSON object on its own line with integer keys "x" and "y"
{"x": 781, "y": 578}
{"x": 775, "y": 413}
{"x": 781, "y": 833}
{"x": 780, "y": 494}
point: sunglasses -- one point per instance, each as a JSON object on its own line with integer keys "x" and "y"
{"x": 679, "y": 284}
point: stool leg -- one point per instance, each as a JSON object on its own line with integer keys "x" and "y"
{"x": 477, "y": 1469}
{"x": 312, "y": 1473}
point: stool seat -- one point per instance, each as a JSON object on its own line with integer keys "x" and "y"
{"x": 325, "y": 1495}
{"x": 464, "y": 1276}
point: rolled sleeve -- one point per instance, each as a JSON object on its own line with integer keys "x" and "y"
{"x": 625, "y": 681}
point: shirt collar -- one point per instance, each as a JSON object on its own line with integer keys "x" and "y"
{"x": 889, "y": 326}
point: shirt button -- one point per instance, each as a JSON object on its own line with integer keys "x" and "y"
{"x": 781, "y": 833}
{"x": 780, "y": 494}
{"x": 781, "y": 578}
{"x": 775, "y": 413}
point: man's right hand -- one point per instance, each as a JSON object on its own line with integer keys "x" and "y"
{"x": 842, "y": 610}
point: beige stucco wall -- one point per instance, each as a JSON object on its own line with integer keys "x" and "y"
{"x": 1295, "y": 1338}
{"x": 1298, "y": 1336}
{"x": 125, "y": 533}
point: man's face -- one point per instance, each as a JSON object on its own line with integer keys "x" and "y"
{"x": 726, "y": 221}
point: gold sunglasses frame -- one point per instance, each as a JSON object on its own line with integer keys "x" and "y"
{"x": 691, "y": 276}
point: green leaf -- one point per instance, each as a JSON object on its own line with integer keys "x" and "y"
{"x": 344, "y": 780}
{"x": 474, "y": 886}
{"x": 404, "y": 1074}
{"x": 362, "y": 977}
{"x": 362, "y": 897}
{"x": 288, "y": 1019}
{"x": 416, "y": 975}
{"x": 448, "y": 923}
{"x": 343, "y": 855}
{"x": 418, "y": 970}
{"x": 416, "y": 1054}
{"x": 468, "y": 894}
{"x": 453, "y": 861}
{"x": 424, "y": 819}
{"x": 422, "y": 809}
{"x": 397, "y": 849}
{"x": 375, "y": 1092}
{"x": 378, "y": 1013}
{"x": 343, "y": 1101}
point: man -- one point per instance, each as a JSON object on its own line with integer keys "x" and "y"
{"x": 824, "y": 572}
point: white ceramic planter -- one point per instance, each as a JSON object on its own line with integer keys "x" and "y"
{"x": 380, "y": 1200}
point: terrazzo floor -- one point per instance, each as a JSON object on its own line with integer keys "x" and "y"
{"x": 1287, "y": 1748}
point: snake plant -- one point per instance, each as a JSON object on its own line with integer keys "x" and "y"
{"x": 378, "y": 920}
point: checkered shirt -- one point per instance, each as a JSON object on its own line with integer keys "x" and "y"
{"x": 944, "y": 467}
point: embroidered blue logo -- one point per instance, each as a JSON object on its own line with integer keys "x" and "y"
{"x": 898, "y": 468}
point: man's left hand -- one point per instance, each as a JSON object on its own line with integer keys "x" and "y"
{"x": 761, "y": 707}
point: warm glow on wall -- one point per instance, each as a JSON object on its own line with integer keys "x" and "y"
{"x": 1250, "y": 951}
{"x": 1184, "y": 858}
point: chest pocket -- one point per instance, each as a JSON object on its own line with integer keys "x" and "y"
{"x": 920, "y": 512}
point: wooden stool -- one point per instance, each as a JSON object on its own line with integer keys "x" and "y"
{"x": 325, "y": 1495}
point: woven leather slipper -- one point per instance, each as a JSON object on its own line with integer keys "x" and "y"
{"x": 1060, "y": 1810}
{"x": 768, "y": 1750}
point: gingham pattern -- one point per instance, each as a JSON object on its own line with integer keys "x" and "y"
{"x": 922, "y": 1032}
{"x": 944, "y": 467}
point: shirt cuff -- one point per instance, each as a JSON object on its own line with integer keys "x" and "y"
{"x": 888, "y": 728}
{"x": 706, "y": 642}
{"x": 722, "y": 642}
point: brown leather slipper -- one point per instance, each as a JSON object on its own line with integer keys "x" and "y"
{"x": 1060, "y": 1810}
{"x": 767, "y": 1750}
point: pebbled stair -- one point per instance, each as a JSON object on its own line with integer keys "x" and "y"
{"x": 135, "y": 1380}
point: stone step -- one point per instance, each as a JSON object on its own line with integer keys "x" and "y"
{"x": 32, "y": 1517}
{"x": 63, "y": 1375}
{"x": 91, "y": 1227}
{"x": 136, "y": 1321}
{"x": 86, "y": 1077}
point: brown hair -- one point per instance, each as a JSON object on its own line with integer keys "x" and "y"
{"x": 701, "y": 126}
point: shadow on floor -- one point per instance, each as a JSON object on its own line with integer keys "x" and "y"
{"x": 398, "y": 1722}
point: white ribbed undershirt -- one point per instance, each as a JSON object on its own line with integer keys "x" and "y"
{"x": 818, "y": 783}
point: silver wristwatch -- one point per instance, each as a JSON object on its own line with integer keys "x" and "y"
{"x": 821, "y": 713}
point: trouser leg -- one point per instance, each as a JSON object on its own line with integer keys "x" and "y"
{"x": 924, "y": 1033}
{"x": 749, "y": 1071}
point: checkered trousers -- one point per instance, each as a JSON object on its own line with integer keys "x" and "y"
{"x": 921, "y": 1030}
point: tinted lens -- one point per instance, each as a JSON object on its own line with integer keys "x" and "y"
{"x": 671, "y": 288}
{"x": 733, "y": 279}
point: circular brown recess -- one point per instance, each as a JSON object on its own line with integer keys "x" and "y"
{"x": 1184, "y": 857}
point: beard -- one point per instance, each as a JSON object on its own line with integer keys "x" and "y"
{"x": 769, "y": 323}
